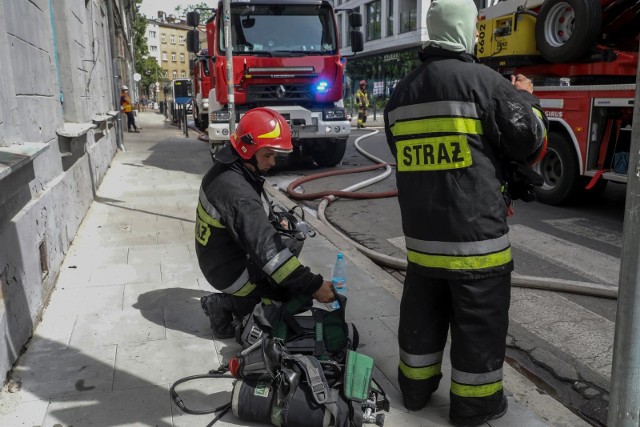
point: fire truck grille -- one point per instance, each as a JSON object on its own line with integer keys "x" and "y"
{"x": 276, "y": 93}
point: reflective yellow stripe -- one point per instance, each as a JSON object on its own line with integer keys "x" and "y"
{"x": 540, "y": 115}
{"x": 440, "y": 124}
{"x": 273, "y": 134}
{"x": 460, "y": 262}
{"x": 205, "y": 217}
{"x": 423, "y": 373}
{"x": 484, "y": 390}
{"x": 245, "y": 290}
{"x": 285, "y": 270}
{"x": 432, "y": 154}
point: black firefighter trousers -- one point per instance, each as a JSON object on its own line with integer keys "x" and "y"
{"x": 478, "y": 313}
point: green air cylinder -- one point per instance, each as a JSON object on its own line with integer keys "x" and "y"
{"x": 252, "y": 400}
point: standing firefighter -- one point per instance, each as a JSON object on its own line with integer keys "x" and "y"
{"x": 362, "y": 101}
{"x": 239, "y": 251}
{"x": 457, "y": 128}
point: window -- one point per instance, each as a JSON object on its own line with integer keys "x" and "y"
{"x": 389, "y": 18}
{"x": 175, "y": 74}
{"x": 374, "y": 17}
{"x": 164, "y": 56}
{"x": 182, "y": 57}
{"x": 408, "y": 15}
{"x": 153, "y": 49}
{"x": 166, "y": 74}
{"x": 163, "y": 38}
{"x": 173, "y": 39}
{"x": 152, "y": 34}
{"x": 183, "y": 74}
{"x": 173, "y": 56}
{"x": 181, "y": 39}
{"x": 300, "y": 28}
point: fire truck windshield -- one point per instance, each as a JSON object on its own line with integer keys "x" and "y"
{"x": 281, "y": 30}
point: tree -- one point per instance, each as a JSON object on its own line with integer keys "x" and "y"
{"x": 205, "y": 11}
{"x": 146, "y": 66}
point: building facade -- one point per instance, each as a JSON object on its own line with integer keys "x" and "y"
{"x": 62, "y": 65}
{"x": 394, "y": 31}
{"x": 171, "y": 42}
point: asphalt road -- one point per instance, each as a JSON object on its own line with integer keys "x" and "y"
{"x": 562, "y": 340}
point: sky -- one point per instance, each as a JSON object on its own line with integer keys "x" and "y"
{"x": 150, "y": 8}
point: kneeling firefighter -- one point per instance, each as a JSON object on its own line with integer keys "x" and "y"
{"x": 240, "y": 250}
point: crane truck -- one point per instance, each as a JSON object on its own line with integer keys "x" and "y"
{"x": 582, "y": 56}
{"x": 286, "y": 57}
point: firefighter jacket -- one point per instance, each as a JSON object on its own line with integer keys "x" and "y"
{"x": 362, "y": 99}
{"x": 233, "y": 234}
{"x": 452, "y": 124}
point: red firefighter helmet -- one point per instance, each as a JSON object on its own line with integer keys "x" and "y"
{"x": 363, "y": 82}
{"x": 258, "y": 128}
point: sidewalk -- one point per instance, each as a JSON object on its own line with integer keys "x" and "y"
{"x": 124, "y": 321}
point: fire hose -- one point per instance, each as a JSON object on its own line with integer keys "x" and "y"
{"x": 329, "y": 196}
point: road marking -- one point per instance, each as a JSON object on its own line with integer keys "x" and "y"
{"x": 566, "y": 325}
{"x": 581, "y": 227}
{"x": 398, "y": 242}
{"x": 591, "y": 264}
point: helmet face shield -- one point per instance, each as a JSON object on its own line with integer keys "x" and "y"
{"x": 259, "y": 128}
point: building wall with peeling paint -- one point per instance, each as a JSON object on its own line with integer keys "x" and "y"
{"x": 58, "y": 135}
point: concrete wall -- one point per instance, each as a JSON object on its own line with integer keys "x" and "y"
{"x": 55, "y": 83}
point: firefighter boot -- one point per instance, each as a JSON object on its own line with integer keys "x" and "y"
{"x": 220, "y": 317}
{"x": 480, "y": 419}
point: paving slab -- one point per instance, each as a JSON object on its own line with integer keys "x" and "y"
{"x": 163, "y": 361}
{"x": 143, "y": 406}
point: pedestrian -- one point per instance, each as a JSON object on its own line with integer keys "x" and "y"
{"x": 456, "y": 127}
{"x": 127, "y": 108}
{"x": 362, "y": 101}
{"x": 240, "y": 252}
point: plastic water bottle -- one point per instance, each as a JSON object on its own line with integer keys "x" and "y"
{"x": 339, "y": 278}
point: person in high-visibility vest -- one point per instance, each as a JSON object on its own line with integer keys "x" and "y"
{"x": 127, "y": 108}
{"x": 362, "y": 101}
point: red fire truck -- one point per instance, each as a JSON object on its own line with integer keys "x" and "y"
{"x": 582, "y": 56}
{"x": 286, "y": 57}
{"x": 201, "y": 84}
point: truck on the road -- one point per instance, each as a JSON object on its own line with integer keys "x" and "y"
{"x": 286, "y": 57}
{"x": 582, "y": 56}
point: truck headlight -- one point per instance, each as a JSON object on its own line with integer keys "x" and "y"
{"x": 205, "y": 105}
{"x": 334, "y": 114}
{"x": 219, "y": 116}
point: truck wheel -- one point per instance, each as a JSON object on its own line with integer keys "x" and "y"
{"x": 567, "y": 30}
{"x": 559, "y": 168}
{"x": 214, "y": 149}
{"x": 328, "y": 152}
{"x": 204, "y": 122}
{"x": 195, "y": 118}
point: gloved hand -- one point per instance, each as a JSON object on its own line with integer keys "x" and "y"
{"x": 521, "y": 181}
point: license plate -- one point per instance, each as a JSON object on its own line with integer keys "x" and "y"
{"x": 295, "y": 133}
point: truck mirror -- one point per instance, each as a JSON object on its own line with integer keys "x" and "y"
{"x": 248, "y": 22}
{"x": 193, "y": 41}
{"x": 357, "y": 41}
{"x": 193, "y": 19}
{"x": 355, "y": 19}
